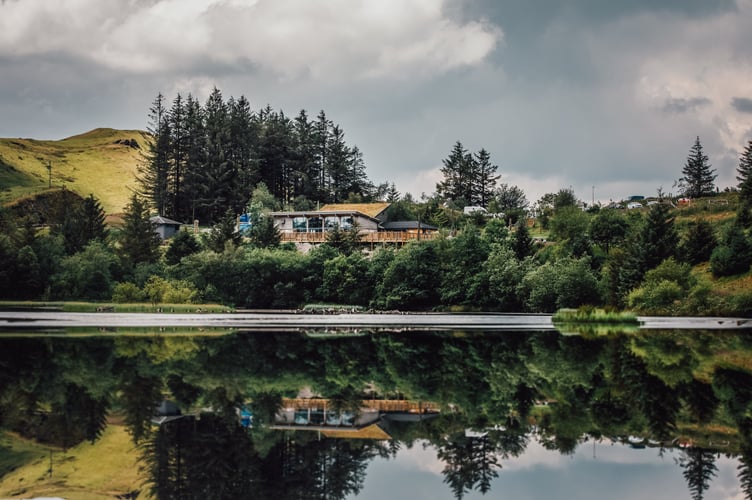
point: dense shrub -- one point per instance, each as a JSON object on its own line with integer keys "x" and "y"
{"x": 733, "y": 256}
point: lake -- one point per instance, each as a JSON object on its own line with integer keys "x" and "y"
{"x": 367, "y": 406}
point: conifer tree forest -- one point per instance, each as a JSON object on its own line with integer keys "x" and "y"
{"x": 205, "y": 159}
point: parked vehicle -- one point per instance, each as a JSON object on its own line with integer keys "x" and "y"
{"x": 633, "y": 205}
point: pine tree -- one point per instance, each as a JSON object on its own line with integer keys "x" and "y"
{"x": 744, "y": 174}
{"x": 744, "y": 171}
{"x": 659, "y": 237}
{"x": 700, "y": 242}
{"x": 195, "y": 157}
{"x": 218, "y": 174}
{"x": 459, "y": 174}
{"x": 485, "y": 181}
{"x": 139, "y": 242}
{"x": 177, "y": 156}
{"x": 154, "y": 174}
{"x": 698, "y": 177}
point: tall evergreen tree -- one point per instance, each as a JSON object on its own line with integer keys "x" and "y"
{"x": 485, "y": 178}
{"x": 659, "y": 238}
{"x": 744, "y": 174}
{"x": 219, "y": 173}
{"x": 698, "y": 177}
{"x": 82, "y": 223}
{"x": 195, "y": 158}
{"x": 177, "y": 156}
{"x": 337, "y": 165}
{"x": 154, "y": 173}
{"x": 139, "y": 242}
{"x": 700, "y": 242}
{"x": 459, "y": 174}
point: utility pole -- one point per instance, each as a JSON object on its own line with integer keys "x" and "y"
{"x": 49, "y": 174}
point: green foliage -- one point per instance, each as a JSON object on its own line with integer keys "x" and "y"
{"x": 264, "y": 234}
{"x": 734, "y": 254}
{"x": 87, "y": 274}
{"x": 495, "y": 231}
{"x": 564, "y": 283}
{"x": 468, "y": 179}
{"x": 345, "y": 280}
{"x": 505, "y": 273}
{"x": 463, "y": 281}
{"x": 82, "y": 223}
{"x": 698, "y": 179}
{"x": 608, "y": 228}
{"x": 411, "y": 280}
{"x": 223, "y": 233}
{"x": 662, "y": 287}
{"x": 522, "y": 243}
{"x": 127, "y": 292}
{"x": 138, "y": 240}
{"x": 181, "y": 245}
{"x": 699, "y": 242}
{"x": 511, "y": 201}
{"x": 659, "y": 238}
{"x": 158, "y": 290}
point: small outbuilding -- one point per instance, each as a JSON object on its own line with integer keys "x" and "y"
{"x": 164, "y": 227}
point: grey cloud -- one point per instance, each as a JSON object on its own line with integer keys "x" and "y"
{"x": 742, "y": 104}
{"x": 682, "y": 105}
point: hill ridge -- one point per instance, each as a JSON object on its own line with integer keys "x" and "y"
{"x": 102, "y": 162}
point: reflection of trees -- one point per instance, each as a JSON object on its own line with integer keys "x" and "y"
{"x": 60, "y": 390}
{"x": 470, "y": 462}
{"x": 699, "y": 468}
{"x": 305, "y": 467}
{"x": 200, "y": 458}
{"x": 658, "y": 402}
{"x": 745, "y": 470}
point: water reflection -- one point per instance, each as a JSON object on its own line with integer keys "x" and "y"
{"x": 285, "y": 415}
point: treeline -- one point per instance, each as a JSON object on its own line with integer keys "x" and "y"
{"x": 205, "y": 159}
{"x": 641, "y": 260}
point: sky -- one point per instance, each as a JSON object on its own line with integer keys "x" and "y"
{"x": 605, "y": 98}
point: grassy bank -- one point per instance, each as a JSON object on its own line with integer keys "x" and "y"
{"x": 142, "y": 307}
{"x": 103, "y": 470}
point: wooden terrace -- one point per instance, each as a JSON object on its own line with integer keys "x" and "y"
{"x": 371, "y": 237}
{"x": 380, "y": 405}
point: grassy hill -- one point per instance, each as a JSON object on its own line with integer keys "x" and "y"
{"x": 102, "y": 162}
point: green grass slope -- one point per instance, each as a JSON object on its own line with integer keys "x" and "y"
{"x": 102, "y": 162}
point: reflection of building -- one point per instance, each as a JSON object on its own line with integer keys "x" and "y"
{"x": 314, "y": 414}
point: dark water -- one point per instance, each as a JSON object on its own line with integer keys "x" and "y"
{"x": 409, "y": 411}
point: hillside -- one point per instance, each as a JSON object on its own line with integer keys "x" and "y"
{"x": 102, "y": 162}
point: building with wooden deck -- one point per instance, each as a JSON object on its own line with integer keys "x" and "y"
{"x": 370, "y": 219}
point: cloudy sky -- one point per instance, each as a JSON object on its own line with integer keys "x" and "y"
{"x": 600, "y": 96}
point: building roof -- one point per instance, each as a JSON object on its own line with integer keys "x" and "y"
{"x": 370, "y": 209}
{"x": 159, "y": 220}
{"x": 324, "y": 213}
{"x": 404, "y": 225}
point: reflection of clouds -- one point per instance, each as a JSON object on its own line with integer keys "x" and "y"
{"x": 617, "y": 472}
{"x": 422, "y": 458}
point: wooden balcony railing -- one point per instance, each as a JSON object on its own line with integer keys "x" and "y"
{"x": 371, "y": 237}
{"x": 382, "y": 405}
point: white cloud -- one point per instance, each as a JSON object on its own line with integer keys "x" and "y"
{"x": 325, "y": 40}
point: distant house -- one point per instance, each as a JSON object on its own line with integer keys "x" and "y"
{"x": 367, "y": 216}
{"x": 164, "y": 227}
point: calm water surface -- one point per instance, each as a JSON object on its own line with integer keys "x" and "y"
{"x": 431, "y": 407}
